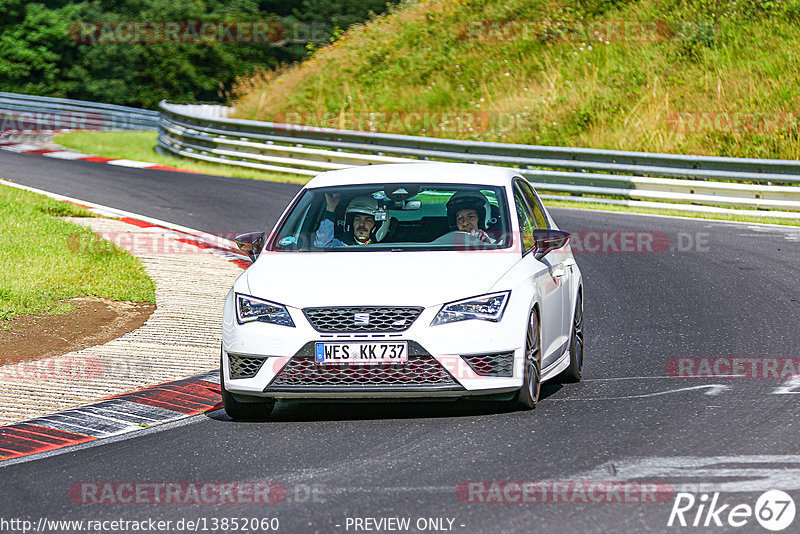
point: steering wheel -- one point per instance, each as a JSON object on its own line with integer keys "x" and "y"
{"x": 457, "y": 237}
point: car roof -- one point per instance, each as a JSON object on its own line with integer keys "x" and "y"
{"x": 413, "y": 172}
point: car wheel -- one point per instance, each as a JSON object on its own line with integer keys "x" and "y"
{"x": 528, "y": 394}
{"x": 574, "y": 372}
{"x": 258, "y": 409}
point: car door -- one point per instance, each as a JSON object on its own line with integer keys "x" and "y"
{"x": 562, "y": 260}
{"x": 546, "y": 282}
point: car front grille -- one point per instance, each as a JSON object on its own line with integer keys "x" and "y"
{"x": 362, "y": 318}
{"x": 422, "y": 370}
{"x": 501, "y": 364}
{"x": 244, "y": 366}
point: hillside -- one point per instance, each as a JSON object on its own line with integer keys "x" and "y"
{"x": 693, "y": 76}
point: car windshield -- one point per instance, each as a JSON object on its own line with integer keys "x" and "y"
{"x": 409, "y": 216}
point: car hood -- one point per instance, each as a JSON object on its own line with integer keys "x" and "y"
{"x": 303, "y": 279}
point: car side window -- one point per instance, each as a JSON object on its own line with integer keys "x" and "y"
{"x": 533, "y": 201}
{"x": 526, "y": 222}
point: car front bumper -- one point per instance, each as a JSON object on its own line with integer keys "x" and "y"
{"x": 278, "y": 360}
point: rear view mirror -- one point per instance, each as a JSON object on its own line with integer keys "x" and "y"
{"x": 547, "y": 240}
{"x": 251, "y": 244}
{"x": 412, "y": 205}
{"x": 400, "y": 192}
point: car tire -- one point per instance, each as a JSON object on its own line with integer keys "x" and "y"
{"x": 574, "y": 372}
{"x": 528, "y": 395}
{"x": 248, "y": 411}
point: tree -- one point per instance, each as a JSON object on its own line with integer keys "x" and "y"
{"x": 41, "y": 51}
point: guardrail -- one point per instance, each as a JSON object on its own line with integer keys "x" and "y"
{"x": 26, "y": 112}
{"x": 698, "y": 183}
{"x": 203, "y": 132}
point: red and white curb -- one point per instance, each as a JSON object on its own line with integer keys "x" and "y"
{"x": 25, "y": 148}
{"x": 114, "y": 416}
{"x": 132, "y": 411}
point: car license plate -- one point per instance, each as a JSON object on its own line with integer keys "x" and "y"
{"x": 362, "y": 353}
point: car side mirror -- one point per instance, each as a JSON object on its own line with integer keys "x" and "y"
{"x": 251, "y": 244}
{"x": 547, "y": 240}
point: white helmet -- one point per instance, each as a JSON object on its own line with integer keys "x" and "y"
{"x": 367, "y": 205}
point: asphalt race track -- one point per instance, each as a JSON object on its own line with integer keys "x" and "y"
{"x": 220, "y": 206}
{"x": 706, "y": 290}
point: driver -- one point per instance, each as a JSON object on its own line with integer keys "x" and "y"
{"x": 360, "y": 222}
{"x": 469, "y": 211}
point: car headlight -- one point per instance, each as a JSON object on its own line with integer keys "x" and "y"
{"x": 485, "y": 307}
{"x": 253, "y": 309}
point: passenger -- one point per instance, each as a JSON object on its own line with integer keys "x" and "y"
{"x": 361, "y": 227}
{"x": 469, "y": 211}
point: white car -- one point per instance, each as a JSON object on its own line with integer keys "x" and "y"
{"x": 418, "y": 280}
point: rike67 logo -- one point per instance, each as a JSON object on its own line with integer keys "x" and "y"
{"x": 774, "y": 510}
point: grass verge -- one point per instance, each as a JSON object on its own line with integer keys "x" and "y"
{"x": 39, "y": 265}
{"x": 140, "y": 146}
